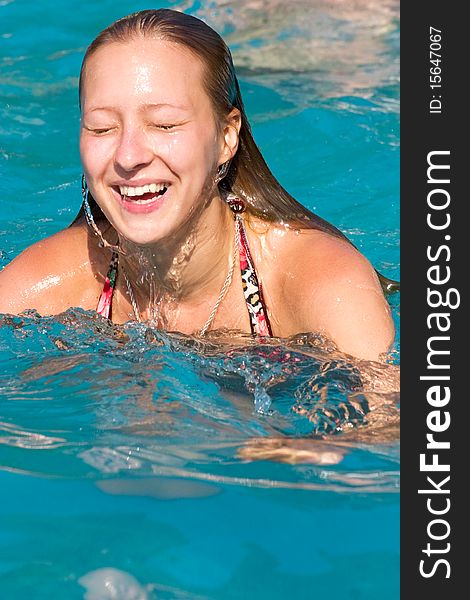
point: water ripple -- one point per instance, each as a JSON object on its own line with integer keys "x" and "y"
{"x": 228, "y": 409}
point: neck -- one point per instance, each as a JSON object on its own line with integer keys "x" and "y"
{"x": 189, "y": 267}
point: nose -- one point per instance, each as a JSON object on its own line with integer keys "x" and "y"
{"x": 133, "y": 151}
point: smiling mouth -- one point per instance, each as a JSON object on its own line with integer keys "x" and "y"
{"x": 144, "y": 198}
{"x": 143, "y": 195}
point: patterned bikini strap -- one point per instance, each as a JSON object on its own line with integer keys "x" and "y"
{"x": 104, "y": 303}
{"x": 252, "y": 291}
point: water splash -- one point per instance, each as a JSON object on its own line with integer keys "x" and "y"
{"x": 136, "y": 400}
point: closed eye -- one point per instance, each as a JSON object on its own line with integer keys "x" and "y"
{"x": 99, "y": 130}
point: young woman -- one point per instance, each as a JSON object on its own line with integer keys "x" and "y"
{"x": 182, "y": 222}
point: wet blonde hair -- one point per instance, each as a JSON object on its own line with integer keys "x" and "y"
{"x": 248, "y": 175}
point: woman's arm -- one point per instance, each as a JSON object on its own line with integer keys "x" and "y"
{"x": 340, "y": 296}
{"x": 50, "y": 276}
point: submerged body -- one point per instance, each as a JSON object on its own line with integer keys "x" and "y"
{"x": 152, "y": 144}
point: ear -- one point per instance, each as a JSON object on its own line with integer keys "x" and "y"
{"x": 231, "y": 134}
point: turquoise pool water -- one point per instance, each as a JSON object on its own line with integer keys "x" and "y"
{"x": 170, "y": 468}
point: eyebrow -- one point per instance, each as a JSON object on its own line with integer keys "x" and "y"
{"x": 147, "y": 106}
{"x": 165, "y": 105}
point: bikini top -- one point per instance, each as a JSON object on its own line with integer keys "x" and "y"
{"x": 259, "y": 321}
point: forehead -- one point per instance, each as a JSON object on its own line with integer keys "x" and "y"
{"x": 146, "y": 69}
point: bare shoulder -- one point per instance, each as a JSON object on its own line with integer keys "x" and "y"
{"x": 331, "y": 260}
{"x": 58, "y": 272}
{"x": 337, "y": 292}
{"x": 310, "y": 257}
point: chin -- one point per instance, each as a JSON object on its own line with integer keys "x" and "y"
{"x": 141, "y": 239}
{"x": 142, "y": 229}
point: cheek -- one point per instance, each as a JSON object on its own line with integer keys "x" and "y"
{"x": 195, "y": 150}
{"x": 94, "y": 153}
{"x": 83, "y": 151}
{"x": 172, "y": 149}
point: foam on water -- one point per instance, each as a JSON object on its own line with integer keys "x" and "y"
{"x": 133, "y": 399}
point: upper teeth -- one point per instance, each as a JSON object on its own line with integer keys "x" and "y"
{"x": 127, "y": 190}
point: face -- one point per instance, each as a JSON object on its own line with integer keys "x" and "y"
{"x": 149, "y": 140}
